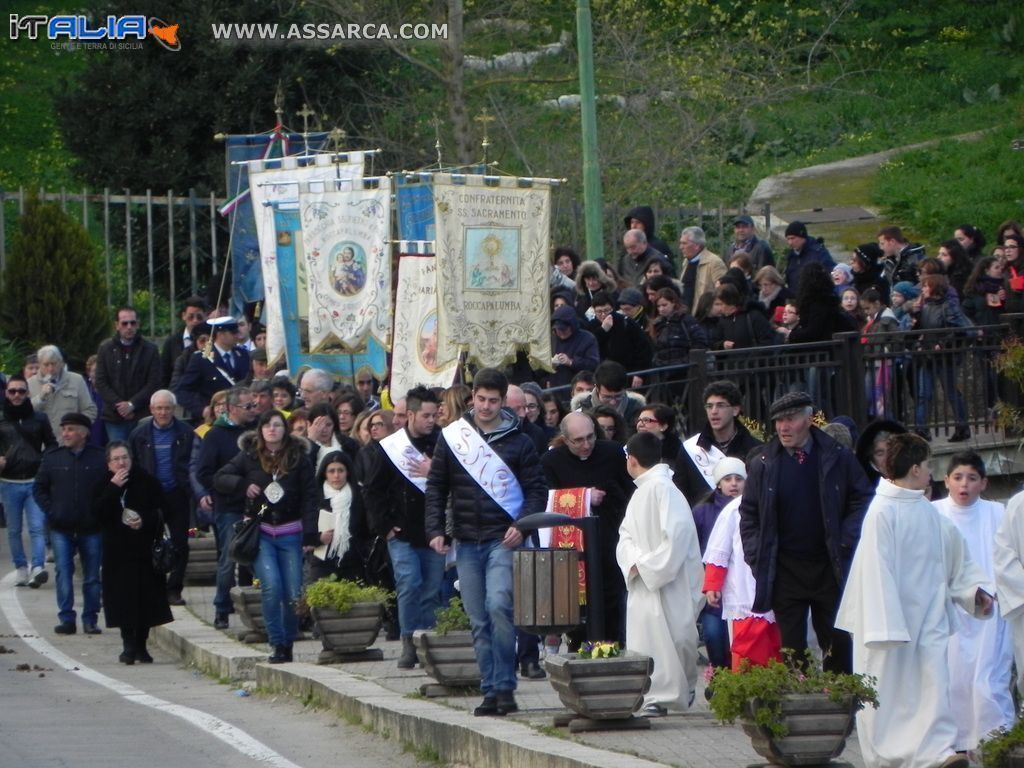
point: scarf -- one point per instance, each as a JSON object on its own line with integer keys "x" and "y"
{"x": 766, "y": 298}
{"x": 341, "y": 506}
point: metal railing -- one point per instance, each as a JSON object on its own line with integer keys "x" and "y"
{"x": 935, "y": 380}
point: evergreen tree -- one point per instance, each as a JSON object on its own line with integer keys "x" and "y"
{"x": 52, "y": 288}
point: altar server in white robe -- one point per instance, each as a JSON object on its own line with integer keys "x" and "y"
{"x": 660, "y": 560}
{"x": 910, "y": 567}
{"x": 1009, "y": 563}
{"x": 981, "y": 652}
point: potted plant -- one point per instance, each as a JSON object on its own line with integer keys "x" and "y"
{"x": 1005, "y": 748}
{"x": 248, "y": 604}
{"x": 446, "y": 651}
{"x": 794, "y": 714}
{"x": 602, "y": 684}
{"x": 348, "y": 616}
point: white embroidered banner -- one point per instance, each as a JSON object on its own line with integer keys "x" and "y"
{"x": 416, "y": 357}
{"x": 348, "y": 265}
{"x": 278, "y": 181}
{"x": 493, "y": 264}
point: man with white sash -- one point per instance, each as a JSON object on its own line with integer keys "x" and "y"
{"x": 393, "y": 477}
{"x": 722, "y": 436}
{"x": 490, "y": 470}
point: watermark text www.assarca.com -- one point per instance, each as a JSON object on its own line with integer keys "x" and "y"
{"x": 326, "y": 33}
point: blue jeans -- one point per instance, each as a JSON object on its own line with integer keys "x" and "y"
{"x": 485, "y": 579}
{"x": 90, "y": 551}
{"x": 279, "y": 569}
{"x": 945, "y": 371}
{"x": 119, "y": 431}
{"x": 418, "y": 574}
{"x": 223, "y": 530}
{"x": 18, "y": 498}
{"x": 716, "y": 639}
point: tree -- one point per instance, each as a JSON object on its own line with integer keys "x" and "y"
{"x": 52, "y": 289}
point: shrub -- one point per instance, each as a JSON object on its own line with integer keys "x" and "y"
{"x": 341, "y": 594}
{"x": 452, "y": 618}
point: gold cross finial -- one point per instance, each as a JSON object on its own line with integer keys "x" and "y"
{"x": 305, "y": 113}
{"x": 336, "y": 136}
{"x": 484, "y": 118}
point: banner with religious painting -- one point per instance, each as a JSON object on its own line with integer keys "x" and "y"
{"x": 574, "y": 502}
{"x": 277, "y": 181}
{"x": 493, "y": 255}
{"x": 291, "y": 274}
{"x": 246, "y": 277}
{"x": 415, "y": 356}
{"x": 345, "y": 236}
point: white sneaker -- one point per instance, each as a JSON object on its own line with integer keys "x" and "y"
{"x": 39, "y": 577}
{"x": 22, "y": 580}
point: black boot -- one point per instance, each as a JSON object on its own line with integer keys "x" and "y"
{"x": 141, "y": 654}
{"x": 408, "y": 659}
{"x": 128, "y": 643}
{"x": 281, "y": 655}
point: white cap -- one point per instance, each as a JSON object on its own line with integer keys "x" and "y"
{"x": 729, "y": 466}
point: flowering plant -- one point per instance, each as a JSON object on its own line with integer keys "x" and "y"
{"x": 598, "y": 650}
{"x": 757, "y": 693}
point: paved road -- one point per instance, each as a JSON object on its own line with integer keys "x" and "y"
{"x": 68, "y": 702}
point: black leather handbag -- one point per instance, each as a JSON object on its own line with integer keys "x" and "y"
{"x": 244, "y": 547}
{"x": 165, "y": 555}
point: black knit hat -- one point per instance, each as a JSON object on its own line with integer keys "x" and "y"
{"x": 797, "y": 229}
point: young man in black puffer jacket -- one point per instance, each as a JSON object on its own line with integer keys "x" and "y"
{"x": 24, "y": 435}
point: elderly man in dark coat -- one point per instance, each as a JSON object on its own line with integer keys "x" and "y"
{"x": 800, "y": 521}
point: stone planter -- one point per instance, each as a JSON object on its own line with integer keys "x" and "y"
{"x": 449, "y": 659}
{"x": 817, "y": 728}
{"x": 202, "y": 560}
{"x": 248, "y": 603}
{"x": 348, "y": 636}
{"x": 601, "y": 690}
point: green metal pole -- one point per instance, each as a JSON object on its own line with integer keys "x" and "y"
{"x": 588, "y": 114}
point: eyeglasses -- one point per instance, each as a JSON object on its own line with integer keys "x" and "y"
{"x": 583, "y": 439}
{"x": 127, "y": 322}
{"x": 645, "y": 420}
{"x": 17, "y": 391}
{"x": 532, "y": 407}
{"x": 248, "y": 406}
{"x": 377, "y": 425}
{"x": 610, "y": 397}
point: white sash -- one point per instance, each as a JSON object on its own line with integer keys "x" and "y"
{"x": 704, "y": 460}
{"x": 403, "y": 455}
{"x": 485, "y": 466}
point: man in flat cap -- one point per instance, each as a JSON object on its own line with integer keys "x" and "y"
{"x": 759, "y": 251}
{"x": 69, "y": 478}
{"x": 222, "y": 365}
{"x": 800, "y": 521}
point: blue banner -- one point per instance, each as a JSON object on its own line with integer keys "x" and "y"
{"x": 415, "y": 203}
{"x": 296, "y": 321}
{"x": 246, "y": 272}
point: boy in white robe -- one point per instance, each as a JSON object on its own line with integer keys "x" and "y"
{"x": 981, "y": 652}
{"x": 911, "y": 565}
{"x": 1009, "y": 565}
{"x": 659, "y": 556}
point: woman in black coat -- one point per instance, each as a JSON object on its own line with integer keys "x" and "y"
{"x": 134, "y": 594}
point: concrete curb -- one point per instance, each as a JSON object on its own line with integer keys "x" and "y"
{"x": 455, "y": 735}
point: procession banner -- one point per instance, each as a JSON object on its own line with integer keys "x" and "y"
{"x": 292, "y": 278}
{"x": 493, "y": 265}
{"x": 415, "y": 356}
{"x": 414, "y": 203}
{"x": 574, "y": 502}
{"x": 345, "y": 236}
{"x": 277, "y": 181}
{"x": 246, "y": 277}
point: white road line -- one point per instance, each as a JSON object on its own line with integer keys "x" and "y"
{"x": 234, "y": 737}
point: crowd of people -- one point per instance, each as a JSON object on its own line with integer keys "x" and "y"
{"x": 718, "y": 529}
